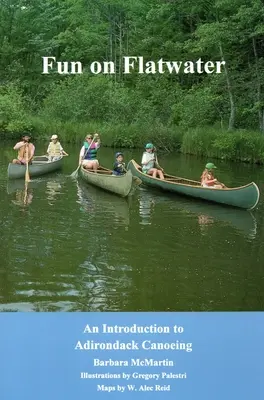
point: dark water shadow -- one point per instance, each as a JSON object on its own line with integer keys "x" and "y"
{"x": 92, "y": 200}
{"x": 207, "y": 213}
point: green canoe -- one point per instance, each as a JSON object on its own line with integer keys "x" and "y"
{"x": 103, "y": 178}
{"x": 40, "y": 166}
{"x": 246, "y": 197}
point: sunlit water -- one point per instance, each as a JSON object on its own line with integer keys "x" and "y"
{"x": 73, "y": 247}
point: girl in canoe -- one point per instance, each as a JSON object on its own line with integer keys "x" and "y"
{"x": 55, "y": 150}
{"x": 208, "y": 179}
{"x": 88, "y": 153}
{"x": 148, "y": 162}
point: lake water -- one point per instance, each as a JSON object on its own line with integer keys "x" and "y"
{"x": 73, "y": 247}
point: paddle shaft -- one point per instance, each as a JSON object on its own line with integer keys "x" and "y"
{"x": 27, "y": 177}
{"x": 80, "y": 163}
{"x": 157, "y": 163}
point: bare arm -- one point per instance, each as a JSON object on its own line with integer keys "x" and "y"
{"x": 81, "y": 154}
{"x": 19, "y": 145}
{"x": 31, "y": 152}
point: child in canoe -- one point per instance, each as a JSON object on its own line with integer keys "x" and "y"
{"x": 119, "y": 165}
{"x": 55, "y": 150}
{"x": 149, "y": 161}
{"x": 208, "y": 179}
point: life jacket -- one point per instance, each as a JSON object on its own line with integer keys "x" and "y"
{"x": 119, "y": 170}
{"x": 91, "y": 154}
{"x": 22, "y": 152}
{"x": 54, "y": 149}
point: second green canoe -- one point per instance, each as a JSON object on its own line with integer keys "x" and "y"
{"x": 103, "y": 178}
{"x": 246, "y": 197}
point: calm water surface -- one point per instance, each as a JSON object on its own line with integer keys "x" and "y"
{"x": 73, "y": 247}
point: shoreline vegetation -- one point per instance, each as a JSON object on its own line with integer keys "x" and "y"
{"x": 210, "y": 142}
{"x": 216, "y": 115}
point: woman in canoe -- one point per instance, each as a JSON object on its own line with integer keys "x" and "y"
{"x": 148, "y": 162}
{"x": 208, "y": 179}
{"x": 26, "y": 151}
{"x": 88, "y": 153}
{"x": 55, "y": 150}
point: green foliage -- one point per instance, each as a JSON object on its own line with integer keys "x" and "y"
{"x": 12, "y": 110}
{"x": 199, "y": 107}
{"x": 175, "y": 111}
{"x": 237, "y": 146}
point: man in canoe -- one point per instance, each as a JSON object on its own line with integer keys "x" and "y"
{"x": 208, "y": 179}
{"x": 149, "y": 161}
{"x": 55, "y": 150}
{"x": 119, "y": 165}
{"x": 88, "y": 153}
{"x": 26, "y": 151}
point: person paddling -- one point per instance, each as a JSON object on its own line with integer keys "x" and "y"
{"x": 88, "y": 153}
{"x": 208, "y": 179}
{"x": 26, "y": 151}
{"x": 148, "y": 162}
{"x": 55, "y": 150}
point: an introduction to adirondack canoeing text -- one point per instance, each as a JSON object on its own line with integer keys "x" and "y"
{"x": 146, "y": 344}
{"x": 132, "y": 64}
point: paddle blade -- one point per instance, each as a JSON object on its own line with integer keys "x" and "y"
{"x": 136, "y": 180}
{"x": 74, "y": 175}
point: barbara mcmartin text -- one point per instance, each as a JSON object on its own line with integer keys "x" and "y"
{"x": 133, "y": 64}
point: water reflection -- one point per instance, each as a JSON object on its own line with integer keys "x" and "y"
{"x": 209, "y": 214}
{"x": 23, "y": 193}
{"x": 99, "y": 281}
{"x": 93, "y": 201}
{"x": 204, "y": 223}
{"x": 146, "y": 206}
{"x": 54, "y": 188}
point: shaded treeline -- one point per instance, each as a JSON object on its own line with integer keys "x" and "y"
{"x": 108, "y": 30}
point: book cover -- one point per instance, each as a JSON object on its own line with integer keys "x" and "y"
{"x": 131, "y": 170}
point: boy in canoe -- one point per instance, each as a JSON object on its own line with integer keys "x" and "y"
{"x": 55, "y": 150}
{"x": 26, "y": 151}
{"x": 208, "y": 179}
{"x": 148, "y": 162}
{"x": 88, "y": 153}
{"x": 119, "y": 165}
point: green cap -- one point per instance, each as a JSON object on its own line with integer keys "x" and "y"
{"x": 210, "y": 166}
{"x": 149, "y": 146}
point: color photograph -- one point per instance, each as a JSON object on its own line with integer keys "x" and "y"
{"x": 132, "y": 153}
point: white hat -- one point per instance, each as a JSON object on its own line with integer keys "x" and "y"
{"x": 54, "y": 137}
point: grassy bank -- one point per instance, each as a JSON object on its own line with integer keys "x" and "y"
{"x": 207, "y": 142}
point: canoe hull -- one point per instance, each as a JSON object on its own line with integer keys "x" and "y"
{"x": 245, "y": 197}
{"x": 103, "y": 178}
{"x": 40, "y": 166}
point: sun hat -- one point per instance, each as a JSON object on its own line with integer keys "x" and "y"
{"x": 210, "y": 166}
{"x": 149, "y": 146}
{"x": 118, "y": 154}
{"x": 54, "y": 137}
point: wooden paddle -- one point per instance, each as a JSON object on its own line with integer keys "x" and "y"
{"x": 75, "y": 173}
{"x": 157, "y": 163}
{"x": 27, "y": 177}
